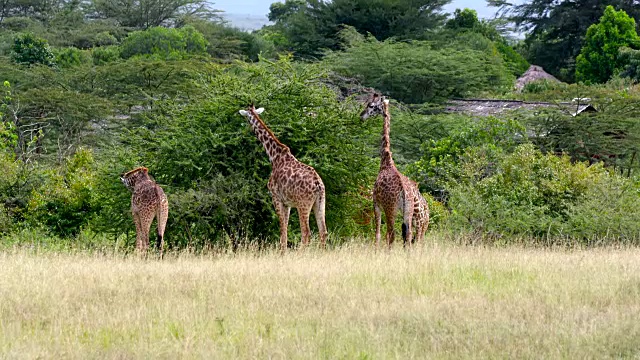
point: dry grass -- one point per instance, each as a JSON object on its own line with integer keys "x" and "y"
{"x": 439, "y": 301}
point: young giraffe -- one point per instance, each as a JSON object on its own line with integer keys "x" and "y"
{"x": 420, "y": 212}
{"x": 148, "y": 200}
{"x": 392, "y": 190}
{"x": 292, "y": 183}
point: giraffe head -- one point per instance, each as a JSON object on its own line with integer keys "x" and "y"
{"x": 251, "y": 112}
{"x": 131, "y": 178}
{"x": 375, "y": 106}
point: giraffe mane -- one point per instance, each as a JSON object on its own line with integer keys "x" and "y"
{"x": 141, "y": 168}
{"x": 253, "y": 112}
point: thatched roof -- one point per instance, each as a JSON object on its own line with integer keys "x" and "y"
{"x": 534, "y": 73}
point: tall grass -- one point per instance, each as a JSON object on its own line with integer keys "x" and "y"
{"x": 442, "y": 301}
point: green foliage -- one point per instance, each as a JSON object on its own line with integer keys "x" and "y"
{"x": 216, "y": 171}
{"x": 279, "y": 11}
{"x": 105, "y": 39}
{"x": 29, "y": 49}
{"x": 438, "y": 212}
{"x": 8, "y": 135}
{"x": 466, "y": 22}
{"x": 105, "y": 54}
{"x": 164, "y": 43}
{"x": 19, "y": 24}
{"x": 630, "y": 57}
{"x": 440, "y": 161}
{"x": 63, "y": 203}
{"x": 416, "y": 72}
{"x": 144, "y": 14}
{"x": 515, "y": 62}
{"x": 610, "y": 136}
{"x": 543, "y": 86}
{"x": 314, "y": 25}
{"x": 229, "y": 43}
{"x": 556, "y": 29}
{"x": 71, "y": 57}
{"x": 599, "y": 58}
{"x": 463, "y": 19}
{"x": 528, "y": 193}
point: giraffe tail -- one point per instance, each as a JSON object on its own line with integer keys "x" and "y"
{"x": 405, "y": 229}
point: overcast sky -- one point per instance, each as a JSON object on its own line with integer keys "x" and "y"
{"x": 261, "y": 7}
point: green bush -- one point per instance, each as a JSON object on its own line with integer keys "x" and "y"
{"x": 542, "y": 196}
{"x": 64, "y": 202}
{"x": 105, "y": 54}
{"x": 630, "y": 57}
{"x": 29, "y": 49}
{"x": 71, "y": 57}
{"x": 105, "y": 39}
{"x": 19, "y": 23}
{"x": 165, "y": 43}
{"x": 216, "y": 172}
{"x": 416, "y": 72}
{"x": 440, "y": 159}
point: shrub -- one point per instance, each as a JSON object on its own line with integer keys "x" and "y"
{"x": 105, "y": 39}
{"x": 105, "y": 54}
{"x": 29, "y": 49}
{"x": 64, "y": 202}
{"x": 216, "y": 172}
{"x": 416, "y": 72}
{"x": 164, "y": 43}
{"x": 440, "y": 161}
{"x": 544, "y": 196}
{"x": 71, "y": 57}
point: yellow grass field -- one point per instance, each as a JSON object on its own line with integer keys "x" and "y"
{"x": 436, "y": 301}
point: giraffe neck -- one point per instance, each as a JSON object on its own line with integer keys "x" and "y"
{"x": 385, "y": 145}
{"x": 271, "y": 144}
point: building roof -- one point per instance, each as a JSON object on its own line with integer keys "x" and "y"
{"x": 490, "y": 107}
{"x": 534, "y": 73}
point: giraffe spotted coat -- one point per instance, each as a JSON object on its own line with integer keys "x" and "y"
{"x": 148, "y": 200}
{"x": 420, "y": 212}
{"x": 291, "y": 184}
{"x": 392, "y": 190}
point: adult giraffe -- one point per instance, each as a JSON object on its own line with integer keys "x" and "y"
{"x": 392, "y": 190}
{"x": 292, "y": 183}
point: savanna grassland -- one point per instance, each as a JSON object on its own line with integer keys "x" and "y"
{"x": 435, "y": 301}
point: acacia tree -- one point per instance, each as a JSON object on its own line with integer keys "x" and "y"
{"x": 313, "y": 25}
{"x": 143, "y": 14}
{"x": 600, "y": 56}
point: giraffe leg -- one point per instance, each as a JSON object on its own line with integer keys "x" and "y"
{"x": 303, "y": 214}
{"x": 162, "y": 215}
{"x": 145, "y": 225}
{"x": 139, "y": 241}
{"x": 418, "y": 237}
{"x": 378, "y": 215}
{"x": 407, "y": 216}
{"x": 390, "y": 217}
{"x": 283, "y": 212}
{"x": 318, "y": 210}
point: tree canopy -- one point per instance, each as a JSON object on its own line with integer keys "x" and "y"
{"x": 600, "y": 56}
{"x": 555, "y": 30}
{"x": 313, "y": 25}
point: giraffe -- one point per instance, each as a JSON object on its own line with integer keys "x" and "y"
{"x": 148, "y": 200}
{"x": 291, "y": 184}
{"x": 392, "y": 190}
{"x": 420, "y": 212}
